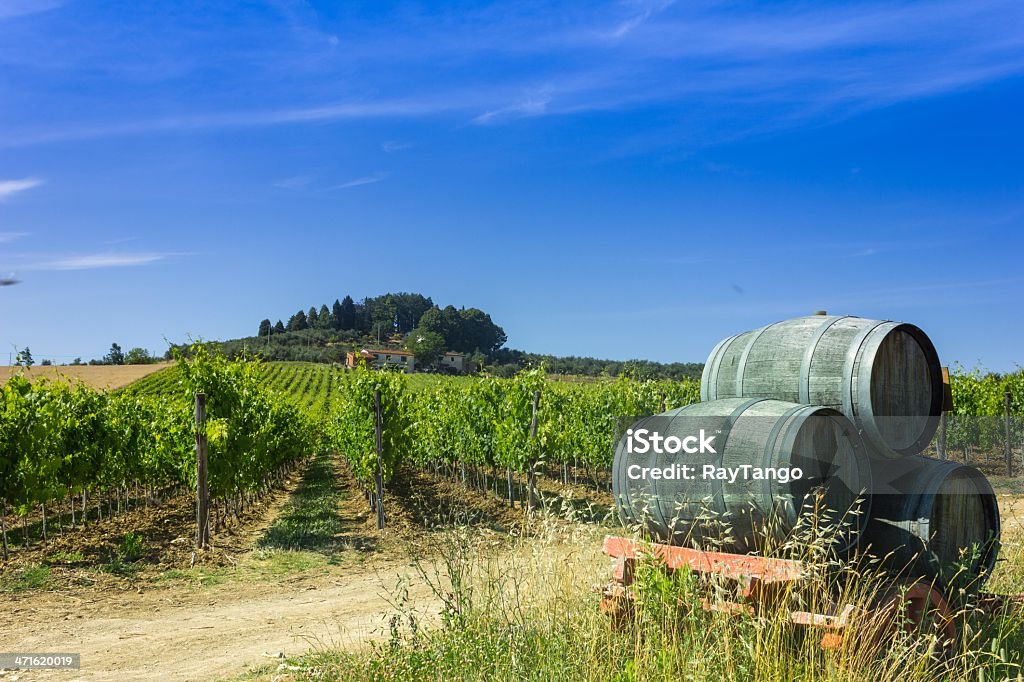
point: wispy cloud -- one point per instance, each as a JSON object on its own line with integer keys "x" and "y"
{"x": 9, "y": 188}
{"x": 101, "y": 260}
{"x": 788, "y": 62}
{"x": 392, "y": 146}
{"x": 365, "y": 180}
{"x": 636, "y": 20}
{"x": 532, "y": 105}
{"x": 21, "y": 8}
{"x": 254, "y": 118}
{"x": 6, "y": 237}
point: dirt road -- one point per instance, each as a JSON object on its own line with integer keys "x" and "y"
{"x": 203, "y": 633}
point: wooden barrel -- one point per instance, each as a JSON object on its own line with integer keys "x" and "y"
{"x": 746, "y": 513}
{"x": 933, "y": 519}
{"x": 884, "y": 376}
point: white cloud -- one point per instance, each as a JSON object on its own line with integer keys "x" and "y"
{"x": 535, "y": 105}
{"x": 391, "y": 146}
{"x": 20, "y": 8}
{"x": 11, "y": 236}
{"x": 365, "y": 180}
{"x": 8, "y": 188}
{"x": 101, "y": 260}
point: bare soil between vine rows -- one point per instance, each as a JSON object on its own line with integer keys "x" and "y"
{"x": 238, "y": 605}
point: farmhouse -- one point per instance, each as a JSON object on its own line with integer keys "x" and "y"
{"x": 388, "y": 357}
{"x": 451, "y": 362}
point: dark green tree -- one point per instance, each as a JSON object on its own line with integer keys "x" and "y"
{"x": 115, "y": 356}
{"x": 324, "y": 319}
{"x": 312, "y": 318}
{"x": 348, "y": 314}
{"x": 478, "y": 332}
{"x": 409, "y": 308}
{"x": 336, "y": 314}
{"x": 426, "y": 346}
{"x": 138, "y": 356}
{"x": 24, "y": 358}
{"x": 279, "y": 327}
{"x": 297, "y": 322}
{"x": 265, "y": 328}
{"x": 383, "y": 315}
{"x": 447, "y": 323}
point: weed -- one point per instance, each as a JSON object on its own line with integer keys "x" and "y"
{"x": 24, "y": 579}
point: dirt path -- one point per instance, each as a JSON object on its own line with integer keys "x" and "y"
{"x": 203, "y": 633}
{"x": 219, "y": 621}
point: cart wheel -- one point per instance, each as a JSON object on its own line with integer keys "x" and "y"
{"x": 913, "y": 609}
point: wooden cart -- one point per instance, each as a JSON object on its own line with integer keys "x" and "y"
{"x": 762, "y": 583}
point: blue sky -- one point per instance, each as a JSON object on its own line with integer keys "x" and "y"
{"x": 625, "y": 179}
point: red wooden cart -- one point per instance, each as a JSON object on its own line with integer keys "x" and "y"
{"x": 761, "y": 583}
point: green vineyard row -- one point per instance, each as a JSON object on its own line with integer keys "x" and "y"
{"x": 59, "y": 442}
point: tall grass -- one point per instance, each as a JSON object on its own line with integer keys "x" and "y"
{"x": 530, "y": 613}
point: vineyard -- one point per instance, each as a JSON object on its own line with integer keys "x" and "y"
{"x": 71, "y": 448}
{"x": 480, "y": 431}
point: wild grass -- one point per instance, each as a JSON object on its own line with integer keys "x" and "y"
{"x": 24, "y": 579}
{"x": 311, "y": 520}
{"x": 529, "y": 614}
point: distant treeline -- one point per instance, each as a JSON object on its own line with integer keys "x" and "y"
{"x": 327, "y": 333}
{"x": 386, "y": 314}
{"x": 316, "y": 345}
{"x": 506, "y": 362}
{"x": 389, "y": 317}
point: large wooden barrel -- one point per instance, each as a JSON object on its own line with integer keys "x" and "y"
{"x": 884, "y": 376}
{"x": 748, "y": 513}
{"x": 933, "y": 519}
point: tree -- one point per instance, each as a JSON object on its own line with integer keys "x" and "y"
{"x": 383, "y": 316}
{"x": 138, "y": 356}
{"x": 46, "y": 362}
{"x": 76, "y": 361}
{"x": 478, "y": 332}
{"x": 312, "y": 318}
{"x": 265, "y": 328}
{"x": 336, "y": 314}
{"x": 24, "y": 358}
{"x": 348, "y": 314}
{"x": 324, "y": 319}
{"x": 447, "y": 323}
{"x": 426, "y": 345}
{"x": 115, "y": 356}
{"x": 409, "y": 308}
{"x": 279, "y": 327}
{"x": 297, "y": 322}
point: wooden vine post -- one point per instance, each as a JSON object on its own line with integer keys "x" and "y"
{"x": 1006, "y": 427}
{"x": 531, "y": 493}
{"x": 202, "y": 490}
{"x": 947, "y": 407}
{"x": 378, "y": 477}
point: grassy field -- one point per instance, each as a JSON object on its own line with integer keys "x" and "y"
{"x": 107, "y": 377}
{"x": 529, "y": 614}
